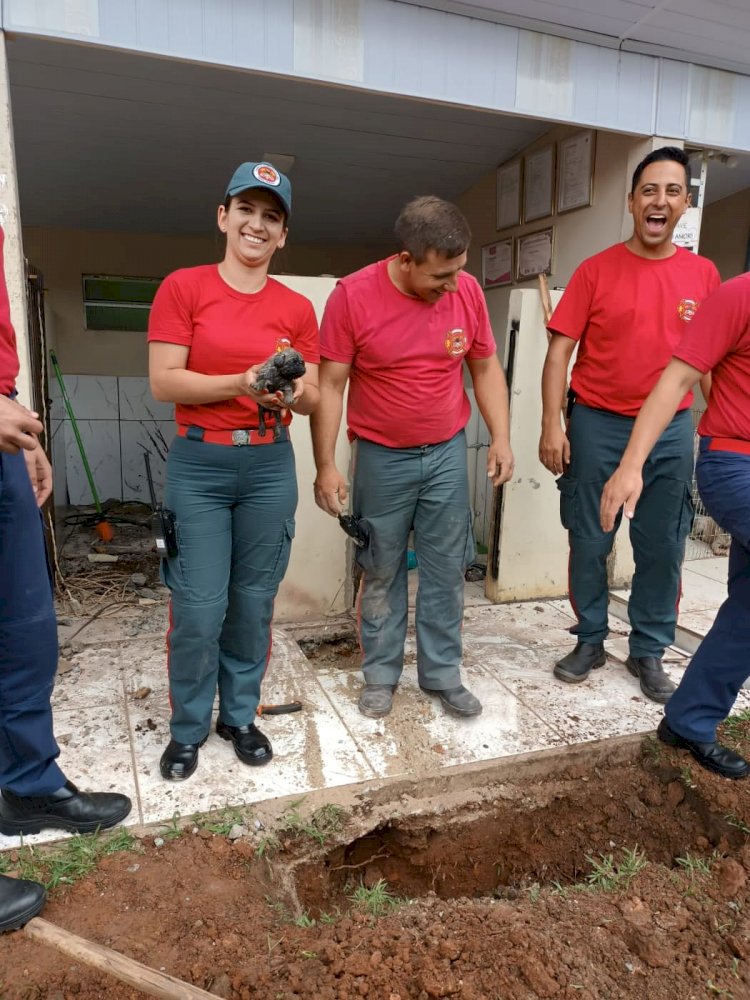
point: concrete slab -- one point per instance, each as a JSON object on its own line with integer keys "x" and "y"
{"x": 112, "y": 714}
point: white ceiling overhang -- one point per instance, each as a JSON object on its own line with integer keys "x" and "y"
{"x": 713, "y": 33}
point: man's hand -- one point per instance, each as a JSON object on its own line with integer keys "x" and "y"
{"x": 40, "y": 473}
{"x": 331, "y": 492}
{"x": 554, "y": 450}
{"x": 622, "y": 490}
{"x": 17, "y": 426}
{"x": 500, "y": 463}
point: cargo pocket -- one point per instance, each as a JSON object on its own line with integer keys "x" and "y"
{"x": 470, "y": 550}
{"x": 687, "y": 516}
{"x": 568, "y": 502}
{"x": 285, "y": 550}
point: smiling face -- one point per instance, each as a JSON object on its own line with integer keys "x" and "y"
{"x": 657, "y": 204}
{"x": 431, "y": 278}
{"x": 255, "y": 227}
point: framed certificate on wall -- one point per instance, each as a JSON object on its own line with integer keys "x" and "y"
{"x": 538, "y": 184}
{"x": 534, "y": 253}
{"x": 497, "y": 263}
{"x": 509, "y": 194}
{"x": 575, "y": 181}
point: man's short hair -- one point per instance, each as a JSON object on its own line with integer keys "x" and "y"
{"x": 664, "y": 153}
{"x": 430, "y": 223}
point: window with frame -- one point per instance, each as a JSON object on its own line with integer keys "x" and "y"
{"x": 118, "y": 303}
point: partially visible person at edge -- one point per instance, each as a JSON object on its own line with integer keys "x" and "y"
{"x": 232, "y": 490}
{"x": 399, "y": 332}
{"x": 718, "y": 341}
{"x": 626, "y": 309}
{"x": 35, "y": 793}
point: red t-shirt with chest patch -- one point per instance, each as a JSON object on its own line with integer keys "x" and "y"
{"x": 8, "y": 352}
{"x": 406, "y": 380}
{"x": 719, "y": 342}
{"x": 628, "y": 314}
{"x": 227, "y": 332}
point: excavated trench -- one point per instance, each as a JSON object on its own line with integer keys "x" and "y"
{"x": 552, "y": 831}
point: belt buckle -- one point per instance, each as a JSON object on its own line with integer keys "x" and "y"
{"x": 240, "y": 437}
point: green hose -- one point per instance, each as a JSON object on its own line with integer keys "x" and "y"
{"x": 74, "y": 425}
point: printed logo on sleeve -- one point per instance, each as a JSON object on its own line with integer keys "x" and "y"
{"x": 687, "y": 309}
{"x": 267, "y": 174}
{"x": 456, "y": 343}
{"x": 282, "y": 343}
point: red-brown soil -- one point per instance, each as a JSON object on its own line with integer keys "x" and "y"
{"x": 500, "y": 905}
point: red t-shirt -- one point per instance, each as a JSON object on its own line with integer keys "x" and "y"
{"x": 628, "y": 314}
{"x": 227, "y": 332}
{"x": 8, "y": 353}
{"x": 718, "y": 341}
{"x": 406, "y": 381}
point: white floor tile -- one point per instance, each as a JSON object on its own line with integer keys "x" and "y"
{"x": 715, "y": 568}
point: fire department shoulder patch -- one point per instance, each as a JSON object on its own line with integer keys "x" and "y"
{"x": 687, "y": 309}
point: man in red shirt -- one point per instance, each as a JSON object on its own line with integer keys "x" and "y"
{"x": 34, "y": 793}
{"x": 399, "y": 332}
{"x": 717, "y": 342}
{"x": 625, "y": 309}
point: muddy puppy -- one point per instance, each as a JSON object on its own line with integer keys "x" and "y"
{"x": 277, "y": 374}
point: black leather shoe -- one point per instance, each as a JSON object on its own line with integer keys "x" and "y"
{"x": 655, "y": 683}
{"x": 576, "y": 666}
{"x": 458, "y": 700}
{"x": 65, "y": 809}
{"x": 20, "y": 900}
{"x": 180, "y": 760}
{"x": 712, "y": 756}
{"x": 250, "y": 745}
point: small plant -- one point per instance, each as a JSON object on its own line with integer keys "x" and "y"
{"x": 558, "y": 889}
{"x": 719, "y": 991}
{"x": 694, "y": 865}
{"x": 222, "y": 822}
{"x": 321, "y": 826}
{"x": 73, "y": 859}
{"x": 304, "y": 920}
{"x": 686, "y": 776}
{"x": 329, "y": 918}
{"x": 534, "y": 891}
{"x": 174, "y": 830}
{"x": 267, "y": 845}
{"x": 735, "y": 727}
{"x": 309, "y": 954}
{"x": 376, "y": 900}
{"x": 652, "y": 748}
{"x": 608, "y": 875}
{"x": 736, "y": 822}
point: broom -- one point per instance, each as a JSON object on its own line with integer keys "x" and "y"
{"x": 101, "y": 525}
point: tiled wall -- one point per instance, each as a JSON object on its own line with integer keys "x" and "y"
{"x": 118, "y": 420}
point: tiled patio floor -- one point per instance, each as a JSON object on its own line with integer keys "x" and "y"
{"x": 111, "y": 709}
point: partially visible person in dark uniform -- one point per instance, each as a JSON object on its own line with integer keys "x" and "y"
{"x": 231, "y": 481}
{"x": 35, "y": 794}
{"x": 626, "y": 309}
{"x": 718, "y": 341}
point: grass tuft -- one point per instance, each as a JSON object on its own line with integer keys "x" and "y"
{"x": 608, "y": 875}
{"x": 72, "y": 860}
{"x": 377, "y": 900}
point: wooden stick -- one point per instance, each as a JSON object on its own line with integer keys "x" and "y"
{"x": 155, "y": 984}
{"x": 545, "y": 297}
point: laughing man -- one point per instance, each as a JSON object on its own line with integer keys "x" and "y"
{"x": 626, "y": 308}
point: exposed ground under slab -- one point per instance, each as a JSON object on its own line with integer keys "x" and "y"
{"x": 615, "y": 870}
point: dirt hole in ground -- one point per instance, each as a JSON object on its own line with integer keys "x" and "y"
{"x": 559, "y": 835}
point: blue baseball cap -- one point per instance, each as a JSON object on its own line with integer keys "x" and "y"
{"x": 261, "y": 175}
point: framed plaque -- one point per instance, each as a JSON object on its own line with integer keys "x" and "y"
{"x": 509, "y": 194}
{"x": 497, "y": 263}
{"x": 534, "y": 253}
{"x": 575, "y": 181}
{"x": 538, "y": 184}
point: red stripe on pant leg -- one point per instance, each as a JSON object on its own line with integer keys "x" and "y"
{"x": 571, "y": 598}
{"x": 166, "y": 639}
{"x": 360, "y": 591}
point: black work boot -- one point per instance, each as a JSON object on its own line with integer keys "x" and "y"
{"x": 655, "y": 683}
{"x": 576, "y": 666}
